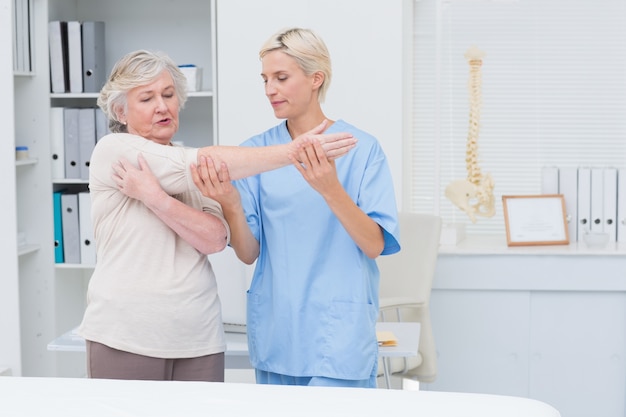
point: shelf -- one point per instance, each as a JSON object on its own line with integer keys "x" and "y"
{"x": 24, "y": 74}
{"x": 73, "y": 266}
{"x": 70, "y": 181}
{"x": 26, "y": 249}
{"x": 200, "y": 94}
{"x": 496, "y": 245}
{"x": 68, "y": 342}
{"x": 236, "y": 343}
{"x": 236, "y": 355}
{"x": 95, "y": 95}
{"x": 23, "y": 162}
{"x": 74, "y": 95}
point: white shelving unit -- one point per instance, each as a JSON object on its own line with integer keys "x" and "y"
{"x": 39, "y": 300}
{"x": 27, "y": 283}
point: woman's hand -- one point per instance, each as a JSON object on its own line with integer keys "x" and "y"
{"x": 204, "y": 231}
{"x": 138, "y": 183}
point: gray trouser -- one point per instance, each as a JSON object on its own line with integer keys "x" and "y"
{"x": 106, "y": 362}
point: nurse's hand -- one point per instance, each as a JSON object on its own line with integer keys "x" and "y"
{"x": 215, "y": 183}
{"x": 317, "y": 169}
{"x": 333, "y": 145}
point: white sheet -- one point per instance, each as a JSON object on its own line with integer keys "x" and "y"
{"x": 69, "y": 397}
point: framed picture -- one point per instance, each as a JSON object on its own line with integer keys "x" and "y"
{"x": 535, "y": 220}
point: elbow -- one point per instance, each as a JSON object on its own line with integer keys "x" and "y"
{"x": 212, "y": 248}
{"x": 375, "y": 245}
{"x": 215, "y": 245}
{"x": 246, "y": 258}
{"x": 247, "y": 255}
{"x": 374, "y": 251}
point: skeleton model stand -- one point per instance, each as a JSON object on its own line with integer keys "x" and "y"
{"x": 473, "y": 195}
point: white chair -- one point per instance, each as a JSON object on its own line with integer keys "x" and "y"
{"x": 405, "y": 286}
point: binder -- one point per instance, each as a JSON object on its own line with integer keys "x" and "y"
{"x": 57, "y": 44}
{"x": 57, "y": 147}
{"x": 18, "y": 34}
{"x": 86, "y": 139}
{"x": 584, "y": 201}
{"x": 22, "y": 27}
{"x": 568, "y": 187}
{"x": 621, "y": 205}
{"x": 75, "y": 57}
{"x": 29, "y": 43}
{"x": 71, "y": 143}
{"x": 550, "y": 180}
{"x": 597, "y": 200}
{"x": 85, "y": 229}
{"x": 94, "y": 70}
{"x": 58, "y": 227}
{"x": 70, "y": 226}
{"x": 15, "y": 41}
{"x": 102, "y": 124}
{"x": 609, "y": 203}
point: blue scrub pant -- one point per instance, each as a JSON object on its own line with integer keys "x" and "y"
{"x": 265, "y": 377}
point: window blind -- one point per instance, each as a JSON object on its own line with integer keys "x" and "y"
{"x": 553, "y": 94}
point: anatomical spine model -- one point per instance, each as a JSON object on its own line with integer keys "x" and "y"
{"x": 473, "y": 195}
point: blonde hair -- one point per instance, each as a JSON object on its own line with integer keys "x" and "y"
{"x": 307, "y": 48}
{"x": 133, "y": 70}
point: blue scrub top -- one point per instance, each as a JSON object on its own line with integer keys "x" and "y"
{"x": 313, "y": 302}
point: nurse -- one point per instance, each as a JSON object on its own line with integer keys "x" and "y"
{"x": 314, "y": 228}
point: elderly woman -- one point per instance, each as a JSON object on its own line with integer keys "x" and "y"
{"x": 153, "y": 311}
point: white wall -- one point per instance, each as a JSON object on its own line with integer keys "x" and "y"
{"x": 365, "y": 40}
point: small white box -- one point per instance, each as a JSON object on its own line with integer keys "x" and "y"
{"x": 194, "y": 77}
